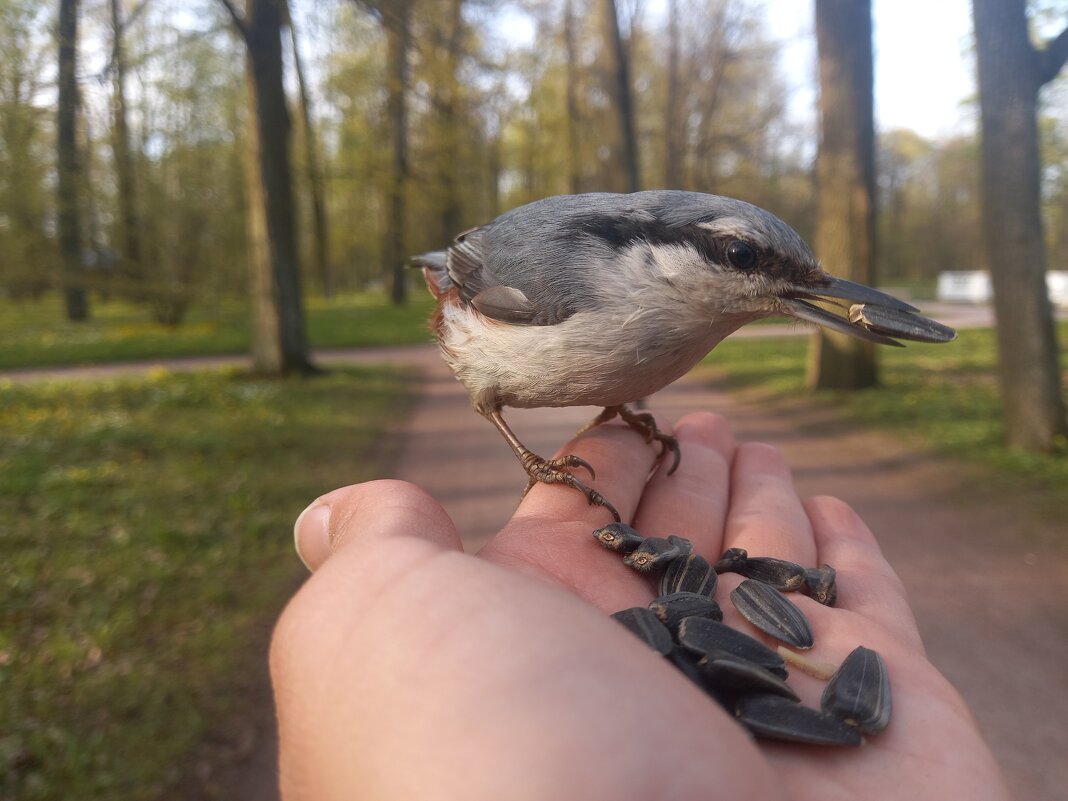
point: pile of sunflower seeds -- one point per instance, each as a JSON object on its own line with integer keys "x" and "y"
{"x": 748, "y": 679}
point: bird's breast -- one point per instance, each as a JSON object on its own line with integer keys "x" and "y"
{"x": 591, "y": 358}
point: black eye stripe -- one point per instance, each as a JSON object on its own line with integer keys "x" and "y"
{"x": 621, "y": 232}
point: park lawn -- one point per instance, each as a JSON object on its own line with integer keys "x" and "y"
{"x": 147, "y": 544}
{"x": 34, "y": 333}
{"x": 944, "y": 396}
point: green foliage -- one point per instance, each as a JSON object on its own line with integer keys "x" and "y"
{"x": 119, "y": 331}
{"x": 944, "y": 396}
{"x": 146, "y": 539}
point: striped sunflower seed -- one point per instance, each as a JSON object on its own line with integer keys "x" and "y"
{"x": 820, "y": 585}
{"x": 859, "y": 692}
{"x": 772, "y": 612}
{"x": 691, "y": 573}
{"x": 644, "y": 624}
{"x": 733, "y": 675}
{"x": 778, "y": 718}
{"x": 780, "y": 574}
{"x": 653, "y": 554}
{"x": 674, "y": 608}
{"x": 618, "y": 537}
{"x": 709, "y": 637}
{"x": 684, "y": 545}
{"x": 732, "y": 560}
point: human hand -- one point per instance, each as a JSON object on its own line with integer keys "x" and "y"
{"x": 405, "y": 668}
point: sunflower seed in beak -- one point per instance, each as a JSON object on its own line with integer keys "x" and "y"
{"x": 900, "y": 324}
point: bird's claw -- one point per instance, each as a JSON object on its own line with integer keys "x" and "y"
{"x": 551, "y": 471}
{"x": 645, "y": 424}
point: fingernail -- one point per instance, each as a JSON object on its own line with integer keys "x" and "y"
{"x": 311, "y": 535}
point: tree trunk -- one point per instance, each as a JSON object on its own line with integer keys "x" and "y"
{"x": 447, "y": 106}
{"x": 624, "y": 97}
{"x": 321, "y": 239}
{"x": 398, "y": 42}
{"x": 574, "y": 163}
{"x": 672, "y": 98}
{"x": 130, "y": 225}
{"x": 68, "y": 166}
{"x": 845, "y": 178}
{"x": 263, "y": 37}
{"x": 266, "y": 343}
{"x": 1011, "y": 72}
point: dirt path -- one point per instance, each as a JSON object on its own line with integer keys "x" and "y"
{"x": 986, "y": 575}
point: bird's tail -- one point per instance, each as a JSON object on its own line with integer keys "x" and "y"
{"x": 435, "y": 271}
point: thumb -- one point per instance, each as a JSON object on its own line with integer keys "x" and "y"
{"x": 369, "y": 513}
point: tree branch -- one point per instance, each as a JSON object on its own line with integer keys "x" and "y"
{"x": 1052, "y": 57}
{"x": 236, "y": 18}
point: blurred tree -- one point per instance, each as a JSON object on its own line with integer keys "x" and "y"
{"x": 845, "y": 180}
{"x": 928, "y": 207}
{"x": 279, "y": 341}
{"x": 314, "y": 172}
{"x": 623, "y": 95}
{"x": 68, "y": 165}
{"x": 571, "y": 111}
{"x": 445, "y": 101}
{"x": 673, "y": 141}
{"x": 396, "y": 20}
{"x": 1011, "y": 73}
{"x": 193, "y": 197}
{"x": 25, "y": 160}
{"x": 130, "y": 226}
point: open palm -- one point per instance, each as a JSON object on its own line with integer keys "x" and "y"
{"x": 405, "y": 668}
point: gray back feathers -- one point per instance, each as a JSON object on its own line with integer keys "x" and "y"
{"x": 539, "y": 263}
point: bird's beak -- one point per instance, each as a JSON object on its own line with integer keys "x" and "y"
{"x": 872, "y": 315}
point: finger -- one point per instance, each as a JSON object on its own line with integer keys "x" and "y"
{"x": 866, "y": 583}
{"x": 551, "y": 532}
{"x": 765, "y": 515}
{"x": 692, "y": 502}
{"x": 622, "y": 459}
{"x": 368, "y": 513}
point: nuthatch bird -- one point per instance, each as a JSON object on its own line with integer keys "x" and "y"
{"x": 603, "y": 299}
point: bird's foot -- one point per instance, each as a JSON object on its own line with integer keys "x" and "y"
{"x": 554, "y": 471}
{"x": 645, "y": 424}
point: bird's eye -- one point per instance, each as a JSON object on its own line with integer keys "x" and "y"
{"x": 741, "y": 255}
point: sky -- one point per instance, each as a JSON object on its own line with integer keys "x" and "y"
{"x": 924, "y": 71}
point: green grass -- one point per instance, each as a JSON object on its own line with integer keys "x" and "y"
{"x": 942, "y": 395}
{"x": 36, "y": 334}
{"x": 146, "y": 540}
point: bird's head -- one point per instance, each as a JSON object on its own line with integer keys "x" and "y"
{"x": 746, "y": 262}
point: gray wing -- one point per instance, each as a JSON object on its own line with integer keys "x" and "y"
{"x": 537, "y": 264}
{"x": 515, "y": 274}
{"x": 480, "y": 287}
